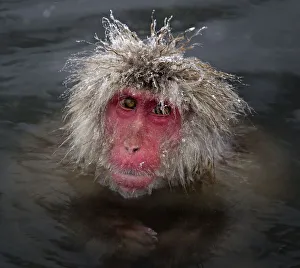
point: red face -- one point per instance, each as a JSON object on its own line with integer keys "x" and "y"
{"x": 140, "y": 125}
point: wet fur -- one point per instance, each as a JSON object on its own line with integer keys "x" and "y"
{"x": 209, "y": 106}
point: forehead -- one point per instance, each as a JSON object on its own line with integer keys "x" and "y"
{"x": 140, "y": 94}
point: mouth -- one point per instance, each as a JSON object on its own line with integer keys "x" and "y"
{"x": 131, "y": 180}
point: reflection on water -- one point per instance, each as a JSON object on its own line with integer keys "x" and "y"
{"x": 52, "y": 217}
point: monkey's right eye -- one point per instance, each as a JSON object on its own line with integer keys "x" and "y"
{"x": 128, "y": 103}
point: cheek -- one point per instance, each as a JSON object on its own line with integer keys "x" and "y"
{"x": 115, "y": 126}
{"x": 169, "y": 132}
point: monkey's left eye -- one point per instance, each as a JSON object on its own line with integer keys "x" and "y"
{"x": 128, "y": 103}
{"x": 162, "y": 110}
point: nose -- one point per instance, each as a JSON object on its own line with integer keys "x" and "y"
{"x": 132, "y": 149}
{"x": 132, "y": 144}
{"x": 134, "y": 136}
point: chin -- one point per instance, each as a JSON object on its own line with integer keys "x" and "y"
{"x": 130, "y": 193}
{"x": 131, "y": 185}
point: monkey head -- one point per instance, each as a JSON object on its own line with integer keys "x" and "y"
{"x": 143, "y": 115}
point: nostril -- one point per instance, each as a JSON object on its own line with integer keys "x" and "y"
{"x": 135, "y": 149}
{"x": 132, "y": 149}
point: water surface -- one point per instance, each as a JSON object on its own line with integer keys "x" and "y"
{"x": 46, "y": 223}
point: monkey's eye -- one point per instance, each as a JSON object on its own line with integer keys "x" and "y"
{"x": 128, "y": 103}
{"x": 162, "y": 110}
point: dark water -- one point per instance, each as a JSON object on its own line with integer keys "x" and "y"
{"x": 44, "y": 222}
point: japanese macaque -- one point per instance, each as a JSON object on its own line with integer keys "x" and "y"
{"x": 141, "y": 116}
{"x": 144, "y": 116}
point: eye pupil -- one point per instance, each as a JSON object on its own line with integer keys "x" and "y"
{"x": 128, "y": 103}
{"x": 162, "y": 109}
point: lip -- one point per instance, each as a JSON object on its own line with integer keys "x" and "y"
{"x": 132, "y": 182}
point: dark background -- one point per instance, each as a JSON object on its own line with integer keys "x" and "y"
{"x": 256, "y": 39}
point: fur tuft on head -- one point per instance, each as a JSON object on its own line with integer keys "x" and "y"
{"x": 204, "y": 96}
